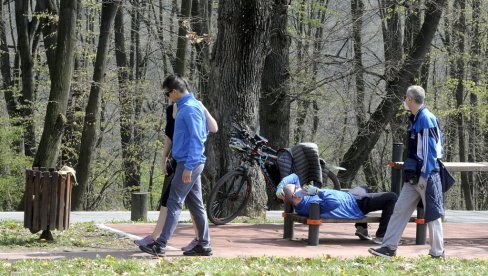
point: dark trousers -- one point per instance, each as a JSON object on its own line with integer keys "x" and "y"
{"x": 375, "y": 202}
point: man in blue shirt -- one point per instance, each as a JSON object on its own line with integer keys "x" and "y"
{"x": 188, "y": 150}
{"x": 338, "y": 204}
{"x": 422, "y": 180}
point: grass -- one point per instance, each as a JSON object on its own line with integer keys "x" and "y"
{"x": 82, "y": 236}
{"x": 246, "y": 266}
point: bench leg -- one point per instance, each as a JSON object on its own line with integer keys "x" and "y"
{"x": 313, "y": 229}
{"x": 421, "y": 228}
{"x": 288, "y": 222}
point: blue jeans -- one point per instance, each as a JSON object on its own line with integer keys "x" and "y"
{"x": 191, "y": 194}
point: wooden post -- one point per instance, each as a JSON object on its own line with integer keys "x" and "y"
{"x": 313, "y": 229}
{"x": 288, "y": 223}
{"x": 138, "y": 209}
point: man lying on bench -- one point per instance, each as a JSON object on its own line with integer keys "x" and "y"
{"x": 337, "y": 204}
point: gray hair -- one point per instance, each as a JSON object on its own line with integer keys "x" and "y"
{"x": 417, "y": 93}
{"x": 289, "y": 190}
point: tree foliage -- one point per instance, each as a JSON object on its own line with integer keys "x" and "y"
{"x": 329, "y": 72}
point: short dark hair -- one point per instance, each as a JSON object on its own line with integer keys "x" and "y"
{"x": 177, "y": 82}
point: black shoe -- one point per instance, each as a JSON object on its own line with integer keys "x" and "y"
{"x": 198, "y": 250}
{"x": 384, "y": 252}
{"x": 362, "y": 233}
{"x": 437, "y": 257}
{"x": 154, "y": 249}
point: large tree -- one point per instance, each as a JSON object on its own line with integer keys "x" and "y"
{"x": 403, "y": 77}
{"x": 235, "y": 80}
{"x": 274, "y": 105}
{"x": 48, "y": 150}
{"x": 92, "y": 112}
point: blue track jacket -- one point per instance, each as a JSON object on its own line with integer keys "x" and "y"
{"x": 425, "y": 145}
{"x": 333, "y": 204}
{"x": 190, "y": 132}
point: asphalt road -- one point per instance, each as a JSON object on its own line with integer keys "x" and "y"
{"x": 452, "y": 216}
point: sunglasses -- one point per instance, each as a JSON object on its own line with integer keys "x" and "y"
{"x": 168, "y": 92}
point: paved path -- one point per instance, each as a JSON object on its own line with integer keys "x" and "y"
{"x": 244, "y": 240}
{"x": 466, "y": 236}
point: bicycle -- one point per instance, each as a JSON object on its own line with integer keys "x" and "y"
{"x": 231, "y": 193}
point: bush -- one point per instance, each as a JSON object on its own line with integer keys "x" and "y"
{"x": 12, "y": 167}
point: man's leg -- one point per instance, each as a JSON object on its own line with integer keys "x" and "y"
{"x": 194, "y": 202}
{"x": 436, "y": 236}
{"x": 177, "y": 196}
{"x": 379, "y": 201}
{"x": 404, "y": 207}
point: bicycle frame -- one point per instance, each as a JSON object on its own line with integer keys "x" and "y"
{"x": 260, "y": 157}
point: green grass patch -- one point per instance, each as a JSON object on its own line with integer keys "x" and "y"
{"x": 83, "y": 235}
{"x": 247, "y": 266}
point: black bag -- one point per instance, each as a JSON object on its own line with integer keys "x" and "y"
{"x": 170, "y": 166}
{"x": 447, "y": 180}
{"x": 411, "y": 171}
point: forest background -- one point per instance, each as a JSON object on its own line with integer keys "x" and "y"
{"x": 81, "y": 86}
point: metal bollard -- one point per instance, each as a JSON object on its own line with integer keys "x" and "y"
{"x": 288, "y": 223}
{"x": 420, "y": 236}
{"x": 396, "y": 174}
{"x": 313, "y": 229}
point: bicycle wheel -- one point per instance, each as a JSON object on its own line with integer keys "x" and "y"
{"x": 228, "y": 197}
{"x": 329, "y": 177}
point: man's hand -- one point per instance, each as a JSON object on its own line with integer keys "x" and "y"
{"x": 310, "y": 190}
{"x": 422, "y": 183}
{"x": 280, "y": 193}
{"x": 163, "y": 166}
{"x": 186, "y": 176}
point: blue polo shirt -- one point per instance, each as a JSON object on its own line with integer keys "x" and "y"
{"x": 190, "y": 132}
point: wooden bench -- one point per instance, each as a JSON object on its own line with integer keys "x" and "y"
{"x": 314, "y": 221}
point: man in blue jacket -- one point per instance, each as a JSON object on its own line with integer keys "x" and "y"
{"x": 422, "y": 181}
{"x": 338, "y": 204}
{"x": 188, "y": 149}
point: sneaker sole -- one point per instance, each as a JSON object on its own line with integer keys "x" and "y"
{"x": 197, "y": 254}
{"x": 150, "y": 252}
{"x": 372, "y": 251}
{"x": 363, "y": 237}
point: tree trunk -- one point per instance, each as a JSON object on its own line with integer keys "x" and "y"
{"x": 182, "y": 44}
{"x": 367, "y": 137}
{"x": 49, "y": 28}
{"x": 357, "y": 12}
{"x": 92, "y": 112}
{"x": 25, "y": 32}
{"x": 237, "y": 66}
{"x": 274, "y": 105}
{"x": 5, "y": 68}
{"x": 200, "y": 25}
{"x": 126, "y": 102}
{"x": 55, "y": 119}
{"x": 475, "y": 144}
{"x": 458, "y": 38}
{"x": 392, "y": 46}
